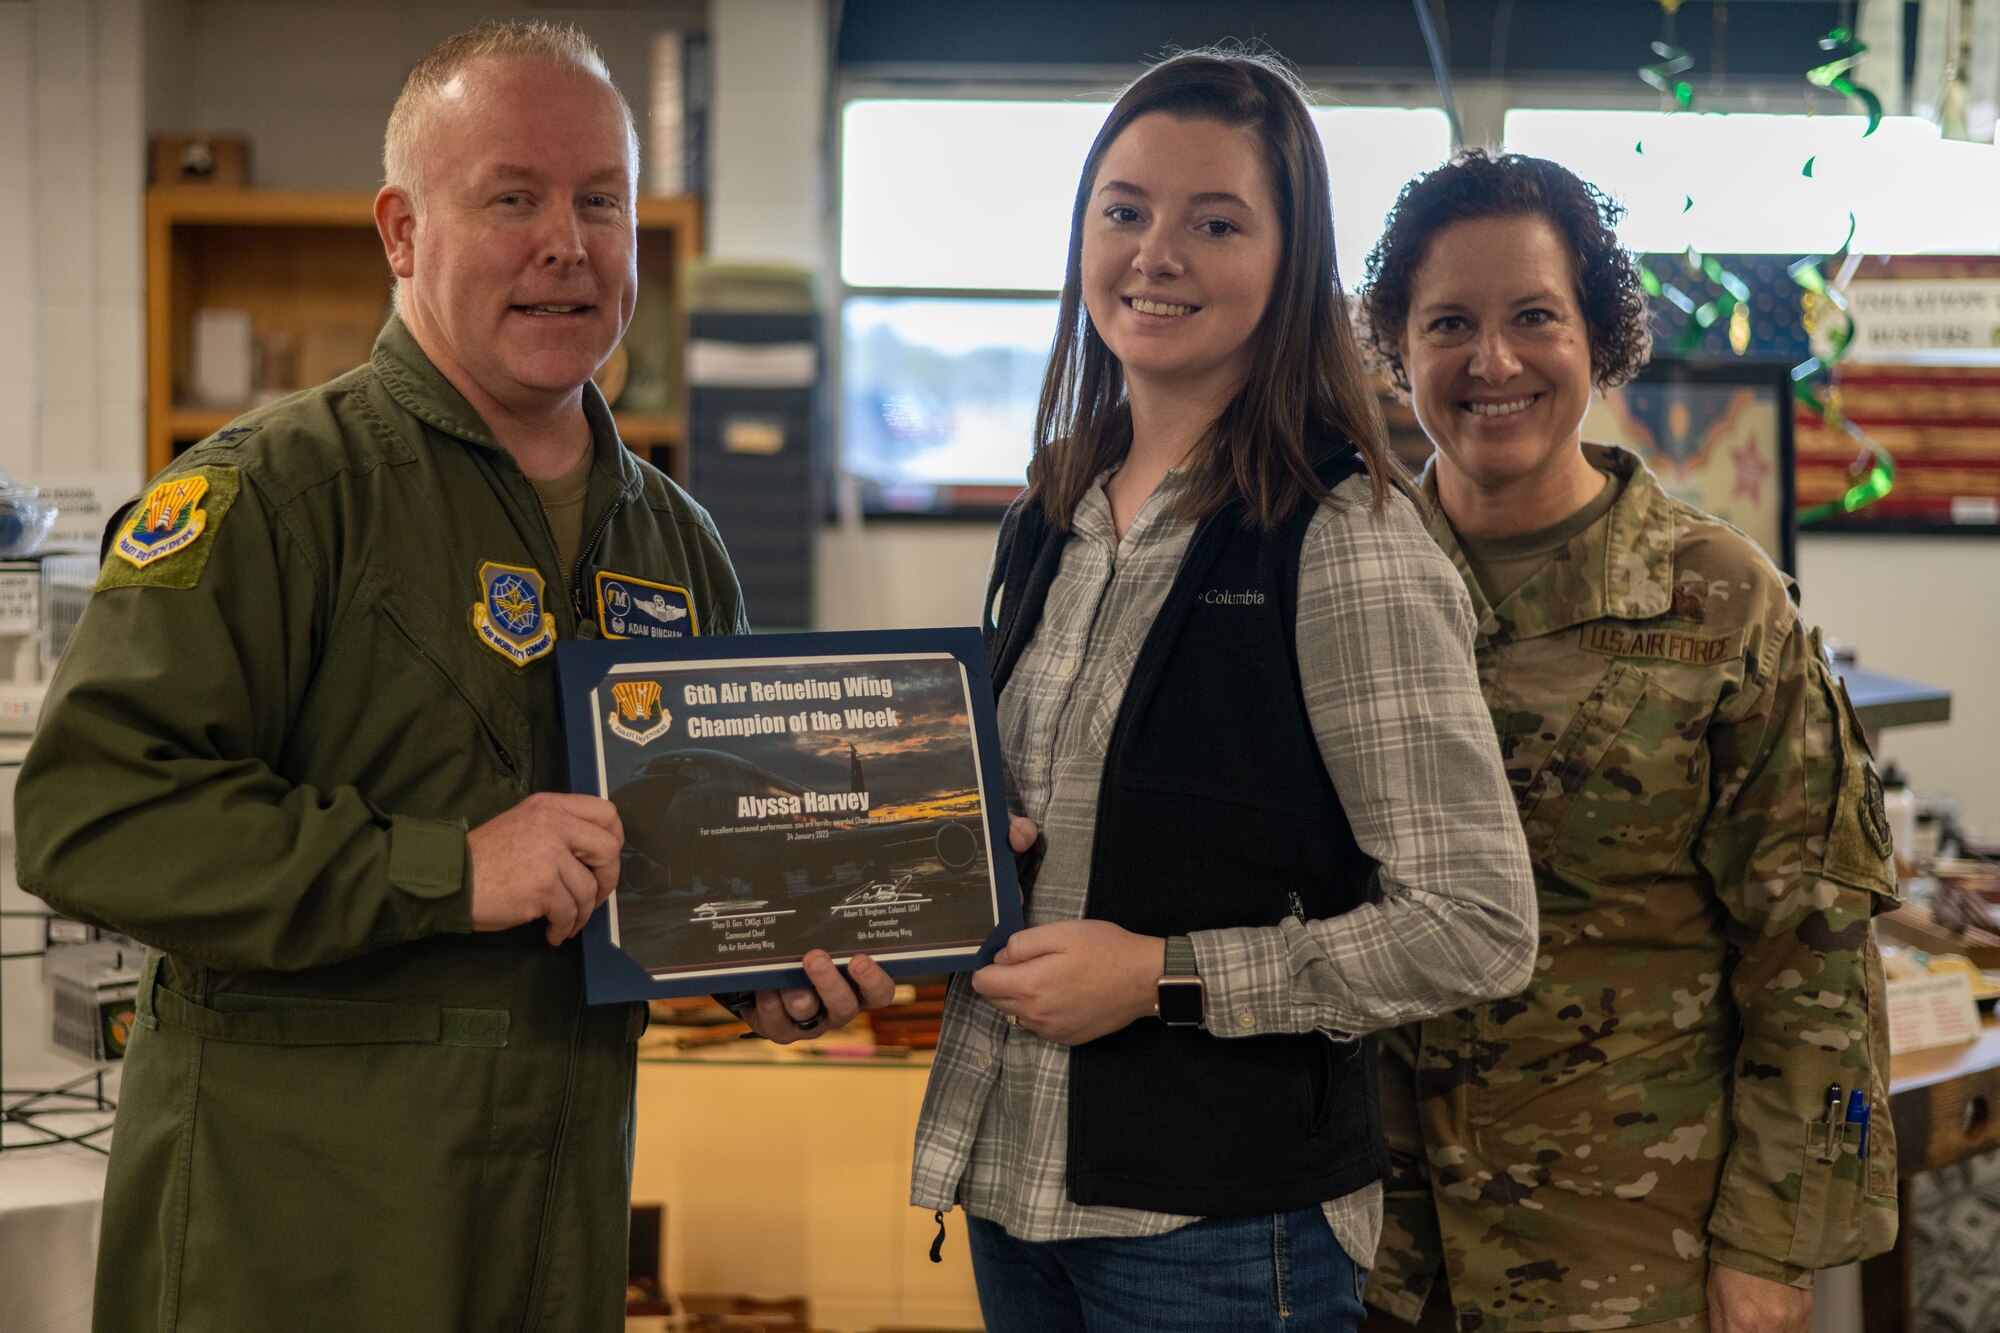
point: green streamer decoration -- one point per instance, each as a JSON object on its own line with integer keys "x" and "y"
{"x": 1666, "y": 75}
{"x": 1847, "y": 51}
{"x": 1703, "y": 315}
{"x": 1872, "y": 474}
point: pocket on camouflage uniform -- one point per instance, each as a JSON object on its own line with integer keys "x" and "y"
{"x": 1827, "y": 1229}
{"x": 1625, "y": 785}
{"x": 1552, "y": 793}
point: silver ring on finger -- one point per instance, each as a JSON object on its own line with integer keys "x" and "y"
{"x": 808, "y": 1024}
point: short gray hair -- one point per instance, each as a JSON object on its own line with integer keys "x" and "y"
{"x": 561, "y": 45}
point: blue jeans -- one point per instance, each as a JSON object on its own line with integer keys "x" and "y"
{"x": 1281, "y": 1273}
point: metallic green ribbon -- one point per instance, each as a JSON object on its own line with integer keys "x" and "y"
{"x": 1665, "y": 75}
{"x": 1833, "y": 74}
{"x": 1872, "y": 474}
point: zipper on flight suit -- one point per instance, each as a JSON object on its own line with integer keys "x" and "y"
{"x": 574, "y": 578}
{"x": 542, "y": 1257}
{"x": 583, "y": 555}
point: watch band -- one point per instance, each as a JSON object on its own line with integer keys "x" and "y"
{"x": 1181, "y": 1000}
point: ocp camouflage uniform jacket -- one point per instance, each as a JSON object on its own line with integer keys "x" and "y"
{"x": 1709, "y": 846}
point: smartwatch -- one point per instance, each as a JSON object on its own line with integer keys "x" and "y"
{"x": 1182, "y": 998}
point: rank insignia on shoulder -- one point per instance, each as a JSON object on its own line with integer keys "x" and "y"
{"x": 634, "y": 608}
{"x": 230, "y": 435}
{"x": 640, "y": 717}
{"x": 177, "y": 517}
{"x": 512, "y": 616}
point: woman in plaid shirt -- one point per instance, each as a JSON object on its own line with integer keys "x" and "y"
{"x": 1238, "y": 702}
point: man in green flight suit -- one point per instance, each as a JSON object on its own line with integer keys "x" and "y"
{"x": 305, "y": 744}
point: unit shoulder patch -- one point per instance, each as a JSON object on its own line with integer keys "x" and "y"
{"x": 1875, "y": 812}
{"x": 1661, "y": 643}
{"x": 512, "y": 614}
{"x": 163, "y": 539}
{"x": 636, "y": 608}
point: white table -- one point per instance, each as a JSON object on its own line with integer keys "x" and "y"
{"x": 50, "y": 1202}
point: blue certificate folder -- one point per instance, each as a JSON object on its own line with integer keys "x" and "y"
{"x": 788, "y": 792}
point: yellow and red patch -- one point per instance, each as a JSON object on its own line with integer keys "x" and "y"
{"x": 164, "y": 538}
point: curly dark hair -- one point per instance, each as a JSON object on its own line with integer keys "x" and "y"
{"x": 1479, "y": 184}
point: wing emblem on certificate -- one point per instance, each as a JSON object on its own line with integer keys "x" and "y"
{"x": 512, "y": 618}
{"x": 639, "y": 717}
{"x": 782, "y": 793}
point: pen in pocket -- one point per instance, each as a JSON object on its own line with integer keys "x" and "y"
{"x": 1857, "y": 1114}
{"x": 1832, "y": 1117}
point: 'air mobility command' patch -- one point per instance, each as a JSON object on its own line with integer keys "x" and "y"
{"x": 640, "y": 717}
{"x": 631, "y": 608}
{"x": 512, "y": 618}
{"x": 164, "y": 538}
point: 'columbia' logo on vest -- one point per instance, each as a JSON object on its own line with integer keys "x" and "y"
{"x": 1223, "y": 597}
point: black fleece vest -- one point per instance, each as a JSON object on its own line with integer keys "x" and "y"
{"x": 1215, "y": 811}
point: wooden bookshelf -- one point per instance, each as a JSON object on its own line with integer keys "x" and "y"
{"x": 308, "y": 267}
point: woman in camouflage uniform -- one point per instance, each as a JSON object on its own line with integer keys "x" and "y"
{"x": 1641, "y": 1139}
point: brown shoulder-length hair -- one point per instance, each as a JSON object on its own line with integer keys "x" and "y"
{"x": 1308, "y": 386}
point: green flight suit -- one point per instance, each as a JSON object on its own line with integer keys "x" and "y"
{"x": 342, "y": 1110}
{"x": 1709, "y": 846}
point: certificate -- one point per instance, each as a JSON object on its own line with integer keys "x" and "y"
{"x": 782, "y": 793}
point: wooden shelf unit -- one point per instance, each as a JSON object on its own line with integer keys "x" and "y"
{"x": 309, "y": 267}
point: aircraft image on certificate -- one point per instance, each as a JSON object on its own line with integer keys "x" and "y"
{"x": 780, "y": 803}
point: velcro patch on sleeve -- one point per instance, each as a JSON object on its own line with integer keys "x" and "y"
{"x": 162, "y": 540}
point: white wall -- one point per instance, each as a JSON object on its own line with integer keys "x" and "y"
{"x": 311, "y": 84}
{"x": 20, "y": 327}
{"x": 902, "y": 574}
{"x": 1926, "y": 609}
{"x": 72, "y": 393}
{"x": 767, "y": 185}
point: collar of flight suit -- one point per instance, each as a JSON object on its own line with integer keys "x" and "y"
{"x": 421, "y": 389}
{"x": 1619, "y": 568}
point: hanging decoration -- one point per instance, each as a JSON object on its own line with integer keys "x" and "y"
{"x": 1833, "y": 74}
{"x": 1666, "y": 75}
{"x": 1828, "y": 322}
{"x": 1823, "y": 309}
{"x": 1729, "y": 306}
